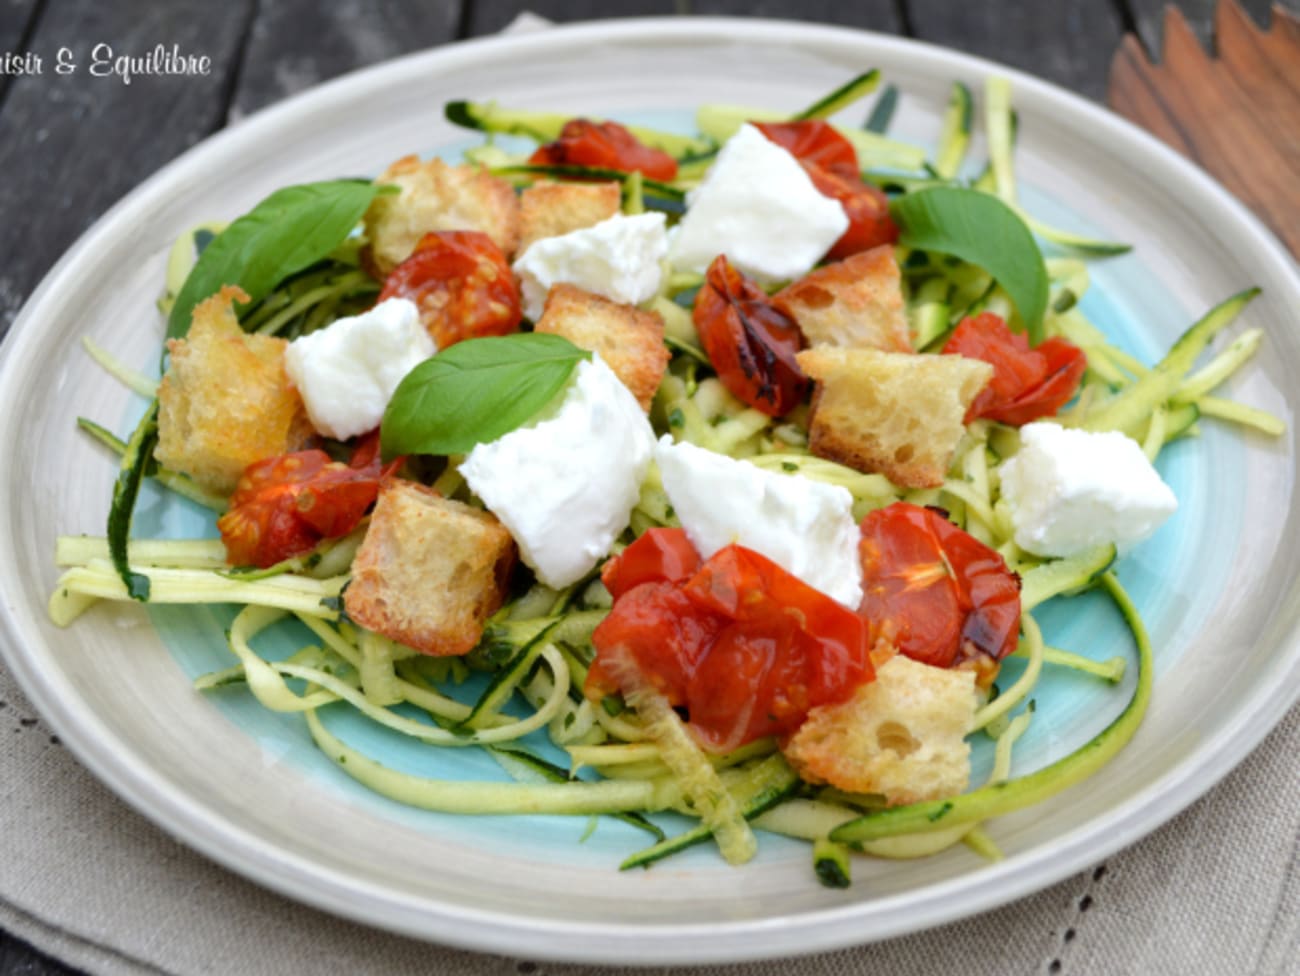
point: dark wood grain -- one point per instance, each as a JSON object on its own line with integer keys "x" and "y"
{"x": 71, "y": 145}
{"x": 1149, "y": 18}
{"x": 295, "y": 44}
{"x": 488, "y": 16}
{"x": 876, "y": 15}
{"x": 1068, "y": 42}
{"x": 1237, "y": 114}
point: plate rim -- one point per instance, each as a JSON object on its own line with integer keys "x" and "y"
{"x": 305, "y": 881}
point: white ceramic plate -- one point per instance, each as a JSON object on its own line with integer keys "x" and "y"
{"x": 1218, "y": 585}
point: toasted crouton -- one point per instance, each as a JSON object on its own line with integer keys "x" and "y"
{"x": 430, "y": 570}
{"x": 550, "y": 209}
{"x": 856, "y": 303}
{"x": 901, "y": 736}
{"x": 629, "y": 340}
{"x": 436, "y": 196}
{"x": 899, "y": 414}
{"x": 226, "y": 401}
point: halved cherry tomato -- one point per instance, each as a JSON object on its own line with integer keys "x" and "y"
{"x": 1027, "y": 383}
{"x": 867, "y": 208}
{"x": 743, "y": 646}
{"x": 832, "y": 165}
{"x": 285, "y": 505}
{"x": 608, "y": 145}
{"x": 462, "y": 284}
{"x": 947, "y": 598}
{"x": 814, "y": 141}
{"x": 751, "y": 343}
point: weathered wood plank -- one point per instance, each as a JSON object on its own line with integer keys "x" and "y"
{"x": 1149, "y": 18}
{"x": 295, "y": 44}
{"x": 71, "y": 145}
{"x": 1068, "y": 42}
{"x": 877, "y": 15}
{"x": 489, "y": 16}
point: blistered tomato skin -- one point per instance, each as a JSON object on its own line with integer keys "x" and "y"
{"x": 605, "y": 145}
{"x": 283, "y": 506}
{"x": 947, "y": 598}
{"x": 1028, "y": 384}
{"x": 814, "y": 141}
{"x": 744, "y": 647}
{"x": 751, "y": 343}
{"x": 462, "y": 285}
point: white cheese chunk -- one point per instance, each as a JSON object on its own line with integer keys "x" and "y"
{"x": 565, "y": 485}
{"x": 347, "y": 372}
{"x": 619, "y": 258}
{"x": 804, "y": 526}
{"x": 759, "y": 207}
{"x": 1070, "y": 490}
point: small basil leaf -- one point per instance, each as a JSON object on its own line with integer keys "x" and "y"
{"x": 981, "y": 229}
{"x": 290, "y": 230}
{"x": 475, "y": 391}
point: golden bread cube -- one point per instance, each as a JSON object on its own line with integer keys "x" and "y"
{"x": 430, "y": 570}
{"x": 899, "y": 414}
{"x": 226, "y": 401}
{"x": 855, "y": 303}
{"x": 436, "y": 196}
{"x": 629, "y": 340}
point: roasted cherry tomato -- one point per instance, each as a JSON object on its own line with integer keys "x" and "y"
{"x": 832, "y": 165}
{"x": 814, "y": 141}
{"x": 606, "y": 145}
{"x": 285, "y": 505}
{"x": 1027, "y": 383}
{"x": 743, "y": 646}
{"x": 751, "y": 343}
{"x": 462, "y": 284}
{"x": 867, "y": 208}
{"x": 945, "y": 597}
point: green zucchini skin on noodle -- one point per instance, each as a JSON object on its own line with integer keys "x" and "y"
{"x": 135, "y": 461}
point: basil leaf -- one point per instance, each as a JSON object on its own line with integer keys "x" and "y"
{"x": 475, "y": 391}
{"x": 290, "y": 230}
{"x": 981, "y": 229}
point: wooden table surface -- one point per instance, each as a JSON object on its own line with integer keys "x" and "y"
{"x": 72, "y": 144}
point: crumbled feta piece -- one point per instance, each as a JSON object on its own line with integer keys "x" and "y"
{"x": 618, "y": 258}
{"x": 347, "y": 372}
{"x": 1070, "y": 490}
{"x": 759, "y": 207}
{"x": 804, "y": 526}
{"x": 565, "y": 485}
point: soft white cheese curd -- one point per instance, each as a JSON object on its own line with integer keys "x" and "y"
{"x": 1070, "y": 490}
{"x": 619, "y": 258}
{"x": 565, "y": 484}
{"x": 806, "y": 527}
{"x": 759, "y": 207}
{"x": 346, "y": 373}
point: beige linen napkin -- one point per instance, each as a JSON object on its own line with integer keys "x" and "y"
{"x": 86, "y": 879}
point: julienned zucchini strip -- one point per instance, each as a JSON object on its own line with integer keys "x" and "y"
{"x": 135, "y": 459}
{"x": 1007, "y": 797}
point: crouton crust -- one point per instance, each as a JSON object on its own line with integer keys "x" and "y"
{"x": 226, "y": 401}
{"x": 901, "y": 736}
{"x": 854, "y": 303}
{"x": 630, "y": 341}
{"x": 430, "y": 570}
{"x": 435, "y": 196}
{"x": 899, "y": 414}
{"x": 549, "y": 209}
